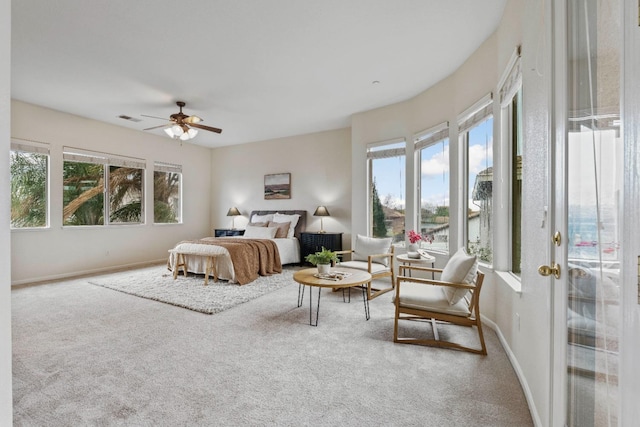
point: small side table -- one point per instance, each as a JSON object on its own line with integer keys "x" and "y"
{"x": 405, "y": 260}
{"x": 311, "y": 243}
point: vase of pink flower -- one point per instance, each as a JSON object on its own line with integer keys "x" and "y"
{"x": 414, "y": 240}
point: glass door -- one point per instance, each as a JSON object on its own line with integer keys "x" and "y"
{"x": 588, "y": 188}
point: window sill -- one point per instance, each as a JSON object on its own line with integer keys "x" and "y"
{"x": 29, "y": 229}
{"x": 510, "y": 280}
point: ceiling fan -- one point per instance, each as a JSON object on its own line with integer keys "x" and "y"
{"x": 181, "y": 126}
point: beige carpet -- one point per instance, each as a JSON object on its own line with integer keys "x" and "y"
{"x": 88, "y": 356}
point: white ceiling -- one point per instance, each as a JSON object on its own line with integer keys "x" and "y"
{"x": 257, "y": 69}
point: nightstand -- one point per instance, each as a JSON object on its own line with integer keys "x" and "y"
{"x": 311, "y": 243}
{"x": 405, "y": 260}
{"x": 227, "y": 232}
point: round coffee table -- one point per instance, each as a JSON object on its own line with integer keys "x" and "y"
{"x": 352, "y": 277}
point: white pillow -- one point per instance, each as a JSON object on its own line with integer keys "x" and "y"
{"x": 262, "y": 218}
{"x": 461, "y": 268}
{"x": 260, "y": 232}
{"x": 365, "y": 246}
{"x": 293, "y": 219}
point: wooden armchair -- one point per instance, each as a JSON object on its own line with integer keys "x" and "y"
{"x": 426, "y": 299}
{"x": 374, "y": 255}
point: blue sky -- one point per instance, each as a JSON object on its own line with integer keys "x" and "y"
{"x": 390, "y": 174}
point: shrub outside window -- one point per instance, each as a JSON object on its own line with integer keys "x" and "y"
{"x": 510, "y": 92}
{"x": 167, "y": 193}
{"x": 516, "y": 182}
{"x": 125, "y": 195}
{"x": 29, "y": 165}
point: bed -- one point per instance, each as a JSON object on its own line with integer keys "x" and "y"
{"x": 258, "y": 235}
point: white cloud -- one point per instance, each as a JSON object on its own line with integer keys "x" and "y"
{"x": 441, "y": 199}
{"x": 437, "y": 164}
{"x": 479, "y": 158}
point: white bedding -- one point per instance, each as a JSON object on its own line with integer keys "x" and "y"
{"x": 288, "y": 248}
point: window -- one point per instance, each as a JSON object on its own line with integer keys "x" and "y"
{"x": 387, "y": 174}
{"x": 432, "y": 149}
{"x": 515, "y": 116}
{"x": 84, "y": 191}
{"x": 29, "y": 184}
{"x": 511, "y": 103}
{"x": 476, "y": 135}
{"x": 167, "y": 202}
{"x": 125, "y": 195}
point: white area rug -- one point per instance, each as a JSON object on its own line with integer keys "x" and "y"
{"x": 156, "y": 283}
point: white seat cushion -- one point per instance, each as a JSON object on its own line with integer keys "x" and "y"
{"x": 363, "y": 265}
{"x": 430, "y": 298}
{"x": 198, "y": 249}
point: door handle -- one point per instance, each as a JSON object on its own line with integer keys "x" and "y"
{"x": 545, "y": 270}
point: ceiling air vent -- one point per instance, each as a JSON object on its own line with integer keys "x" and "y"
{"x": 131, "y": 119}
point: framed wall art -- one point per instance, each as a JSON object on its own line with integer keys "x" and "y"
{"x": 277, "y": 186}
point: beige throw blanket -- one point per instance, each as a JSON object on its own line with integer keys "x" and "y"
{"x": 250, "y": 257}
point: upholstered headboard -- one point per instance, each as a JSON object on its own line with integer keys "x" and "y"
{"x": 302, "y": 222}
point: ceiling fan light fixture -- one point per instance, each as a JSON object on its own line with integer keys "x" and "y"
{"x": 177, "y": 130}
{"x": 179, "y": 126}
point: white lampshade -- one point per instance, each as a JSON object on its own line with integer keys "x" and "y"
{"x": 183, "y": 132}
{"x": 177, "y": 130}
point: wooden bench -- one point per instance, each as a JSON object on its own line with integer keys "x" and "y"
{"x": 181, "y": 261}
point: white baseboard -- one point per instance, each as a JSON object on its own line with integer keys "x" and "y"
{"x": 79, "y": 273}
{"x": 516, "y": 367}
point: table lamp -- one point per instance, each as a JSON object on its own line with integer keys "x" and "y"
{"x": 321, "y": 211}
{"x": 233, "y": 212}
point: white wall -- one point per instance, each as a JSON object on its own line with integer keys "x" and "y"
{"x": 64, "y": 251}
{"x": 6, "y": 402}
{"x": 319, "y": 164}
{"x": 531, "y": 341}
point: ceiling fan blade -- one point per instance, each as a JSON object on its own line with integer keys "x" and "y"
{"x": 156, "y": 127}
{"x": 154, "y": 117}
{"x": 209, "y": 128}
{"x": 192, "y": 119}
